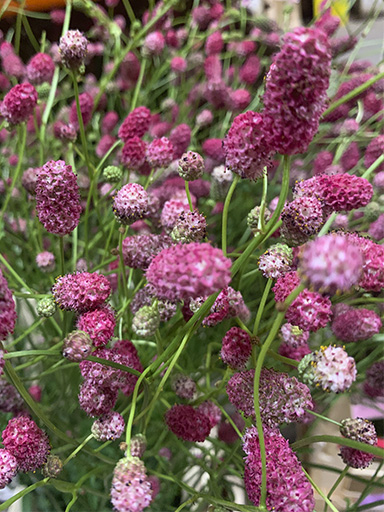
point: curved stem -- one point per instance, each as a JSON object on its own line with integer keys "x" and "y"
{"x": 225, "y": 214}
{"x": 336, "y": 484}
{"x": 320, "y": 492}
{"x": 261, "y": 222}
{"x": 368, "y": 448}
{"x": 261, "y": 306}
{"x": 76, "y": 451}
{"x": 21, "y": 494}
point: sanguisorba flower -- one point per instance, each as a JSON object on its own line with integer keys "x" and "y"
{"x": 288, "y": 488}
{"x": 18, "y": 103}
{"x": 73, "y": 49}
{"x": 189, "y": 271}
{"x": 296, "y": 90}
{"x": 8, "y": 314}
{"x": 57, "y": 198}
{"x": 131, "y": 490}
{"x": 81, "y": 291}
{"x": 362, "y": 430}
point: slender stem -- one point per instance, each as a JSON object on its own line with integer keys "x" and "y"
{"x": 24, "y": 492}
{"x": 325, "y": 438}
{"x": 74, "y": 249}
{"x": 128, "y": 432}
{"x": 225, "y": 213}
{"x": 271, "y": 225}
{"x": 31, "y": 328}
{"x": 76, "y": 451}
{"x": 261, "y": 222}
{"x": 81, "y": 126}
{"x": 261, "y": 306}
{"x": 15, "y": 275}
{"x": 188, "y": 195}
{"x": 22, "y": 134}
{"x": 374, "y": 166}
{"x": 324, "y": 230}
{"x": 62, "y": 261}
{"x": 122, "y": 265}
{"x": 256, "y": 386}
{"x": 320, "y": 492}
{"x": 130, "y": 12}
{"x": 335, "y": 485}
{"x": 320, "y": 416}
{"x": 138, "y": 84}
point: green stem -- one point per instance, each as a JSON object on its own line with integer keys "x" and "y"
{"x": 31, "y": 328}
{"x": 374, "y": 450}
{"x": 121, "y": 263}
{"x": 335, "y": 485}
{"x": 76, "y": 451}
{"x": 261, "y": 306}
{"x": 225, "y": 213}
{"x": 24, "y": 492}
{"x": 261, "y": 222}
{"x": 320, "y": 492}
{"x": 62, "y": 261}
{"x": 130, "y": 12}
{"x": 128, "y": 432}
{"x": 22, "y": 134}
{"x": 320, "y": 416}
{"x": 138, "y": 84}
{"x": 324, "y": 230}
{"x": 15, "y": 274}
{"x": 374, "y": 166}
{"x": 270, "y": 227}
{"x": 188, "y": 195}
{"x": 353, "y": 93}
{"x": 74, "y": 249}
{"x": 256, "y": 386}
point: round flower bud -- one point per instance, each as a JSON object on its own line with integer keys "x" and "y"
{"x": 253, "y": 219}
{"x": 361, "y": 430}
{"x": 18, "y": 103}
{"x": 236, "y": 348}
{"x": 108, "y": 427}
{"x": 302, "y": 218}
{"x": 356, "y": 325}
{"x": 276, "y": 261}
{"x": 73, "y": 49}
{"x": 146, "y": 321}
{"x": 53, "y": 467}
{"x": 26, "y": 442}
{"x": 138, "y": 445}
{"x": 329, "y": 368}
{"x": 191, "y": 166}
{"x": 81, "y": 291}
{"x": 45, "y": 261}
{"x": 159, "y": 153}
{"x": 189, "y": 227}
{"x": 8, "y": 467}
{"x": 40, "y": 69}
{"x": 184, "y": 387}
{"x": 131, "y": 490}
{"x": 112, "y": 174}
{"x": 188, "y": 423}
{"x": 77, "y": 346}
{"x": 130, "y": 203}
{"x": 46, "y": 307}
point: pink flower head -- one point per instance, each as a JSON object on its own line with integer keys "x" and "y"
{"x": 26, "y": 442}
{"x": 302, "y": 218}
{"x": 97, "y": 400}
{"x": 131, "y": 489}
{"x": 40, "y": 69}
{"x": 283, "y": 399}
{"x": 160, "y": 153}
{"x": 57, "y": 198}
{"x": 374, "y": 150}
{"x": 178, "y": 64}
{"x": 276, "y": 261}
{"x": 184, "y": 387}
{"x": 287, "y": 486}
{"x": 294, "y": 342}
{"x": 180, "y": 138}
{"x": 188, "y": 423}
{"x": 81, "y": 291}
{"x": 343, "y": 192}
{"x": 236, "y": 348}
{"x": 374, "y": 380}
{"x": 135, "y": 124}
{"x": 99, "y": 324}
{"x": 214, "y": 149}
{"x": 104, "y": 145}
{"x": 8, "y": 467}
{"x": 8, "y": 314}
{"x": 108, "y": 427}
{"x": 296, "y": 90}
{"x": 331, "y": 263}
{"x": 245, "y": 148}
{"x": 211, "y": 411}
{"x": 356, "y": 325}
{"x": 19, "y": 103}
{"x": 191, "y": 166}
{"x": 45, "y": 261}
{"x": 153, "y": 44}
{"x": 133, "y": 153}
{"x": 322, "y": 161}
{"x": 310, "y": 311}
{"x": 139, "y": 250}
{"x": 361, "y": 430}
{"x": 214, "y": 43}
{"x": 250, "y": 70}
{"x": 73, "y": 49}
{"x": 329, "y": 368}
{"x": 187, "y": 271}
{"x": 240, "y": 99}
{"x": 130, "y": 203}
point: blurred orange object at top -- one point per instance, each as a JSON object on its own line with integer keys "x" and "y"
{"x": 31, "y": 5}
